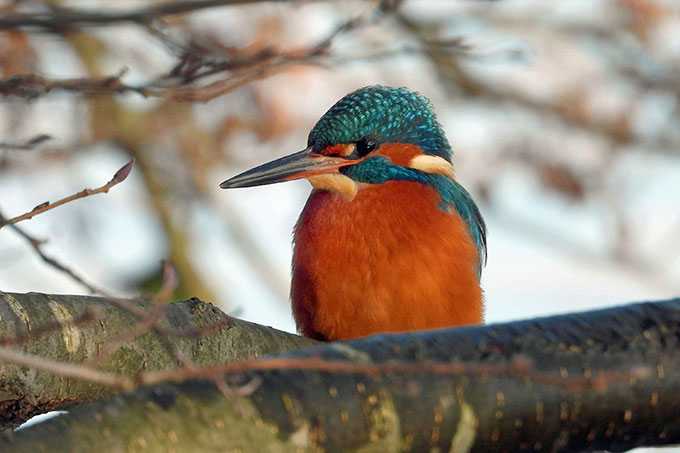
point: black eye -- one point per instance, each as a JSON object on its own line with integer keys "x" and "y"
{"x": 365, "y": 146}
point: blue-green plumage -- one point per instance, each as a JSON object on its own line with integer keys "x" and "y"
{"x": 388, "y": 115}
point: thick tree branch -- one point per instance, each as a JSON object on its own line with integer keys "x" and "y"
{"x": 75, "y": 330}
{"x": 607, "y": 379}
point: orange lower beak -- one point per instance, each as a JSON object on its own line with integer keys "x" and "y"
{"x": 302, "y": 164}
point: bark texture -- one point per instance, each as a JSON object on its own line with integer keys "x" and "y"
{"x": 607, "y": 379}
{"x": 212, "y": 338}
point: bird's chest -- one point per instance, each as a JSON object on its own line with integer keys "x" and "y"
{"x": 367, "y": 265}
{"x": 384, "y": 222}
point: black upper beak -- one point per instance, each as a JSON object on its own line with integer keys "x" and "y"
{"x": 302, "y": 164}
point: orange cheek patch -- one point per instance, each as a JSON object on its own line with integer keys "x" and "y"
{"x": 399, "y": 154}
{"x": 343, "y": 150}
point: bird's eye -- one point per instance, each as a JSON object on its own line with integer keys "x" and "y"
{"x": 365, "y": 146}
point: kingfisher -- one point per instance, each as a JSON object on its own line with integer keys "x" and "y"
{"x": 388, "y": 240}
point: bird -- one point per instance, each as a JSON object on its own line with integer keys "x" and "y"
{"x": 388, "y": 240}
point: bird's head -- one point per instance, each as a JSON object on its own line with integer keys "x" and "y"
{"x": 371, "y": 136}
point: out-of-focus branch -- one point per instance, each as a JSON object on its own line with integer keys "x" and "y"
{"x": 169, "y": 282}
{"x": 180, "y": 83}
{"x": 131, "y": 127}
{"x": 27, "y": 145}
{"x": 118, "y": 177}
{"x": 130, "y": 131}
{"x": 568, "y": 109}
{"x": 37, "y": 244}
{"x": 34, "y": 85}
{"x": 191, "y": 283}
{"x": 59, "y": 18}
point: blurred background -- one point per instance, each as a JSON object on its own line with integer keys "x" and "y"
{"x": 563, "y": 115}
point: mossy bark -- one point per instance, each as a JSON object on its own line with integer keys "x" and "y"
{"x": 25, "y": 392}
{"x": 606, "y": 379}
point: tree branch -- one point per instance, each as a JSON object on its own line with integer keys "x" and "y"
{"x": 56, "y": 334}
{"x": 606, "y": 379}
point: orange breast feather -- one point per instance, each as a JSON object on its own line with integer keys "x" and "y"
{"x": 390, "y": 260}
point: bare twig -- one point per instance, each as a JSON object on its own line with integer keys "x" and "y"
{"x": 614, "y": 129}
{"x": 34, "y": 85}
{"x": 37, "y": 246}
{"x": 145, "y": 325}
{"x": 66, "y": 369}
{"x": 180, "y": 83}
{"x": 67, "y": 17}
{"x": 169, "y": 282}
{"x": 92, "y": 313}
{"x": 43, "y": 207}
{"x": 27, "y": 145}
{"x": 520, "y": 368}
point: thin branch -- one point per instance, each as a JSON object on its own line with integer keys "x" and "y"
{"x": 179, "y": 83}
{"x": 169, "y": 282}
{"x": 144, "y": 326}
{"x": 37, "y": 246}
{"x": 67, "y": 17}
{"x": 92, "y": 313}
{"x": 119, "y": 177}
{"x": 27, "y": 145}
{"x": 75, "y": 371}
{"x": 520, "y": 368}
{"x": 33, "y": 85}
{"x": 613, "y": 129}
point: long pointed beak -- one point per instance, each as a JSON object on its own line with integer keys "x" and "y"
{"x": 302, "y": 164}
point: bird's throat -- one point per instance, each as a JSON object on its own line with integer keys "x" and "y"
{"x": 336, "y": 183}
